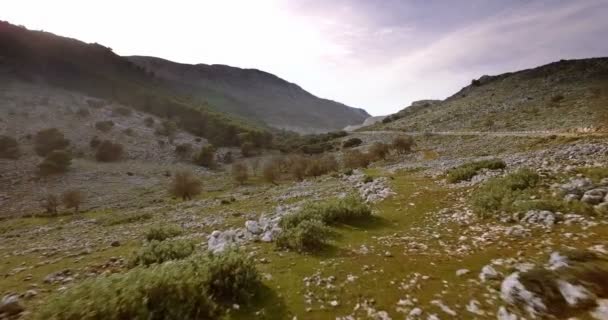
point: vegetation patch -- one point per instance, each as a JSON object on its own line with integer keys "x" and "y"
{"x": 160, "y": 233}
{"x": 157, "y": 251}
{"x": 468, "y": 170}
{"x": 120, "y": 218}
{"x": 201, "y": 287}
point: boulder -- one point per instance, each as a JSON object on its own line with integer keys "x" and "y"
{"x": 253, "y": 227}
{"x": 577, "y": 186}
{"x": 488, "y": 273}
{"x": 594, "y": 196}
{"x": 541, "y": 217}
{"x": 10, "y": 305}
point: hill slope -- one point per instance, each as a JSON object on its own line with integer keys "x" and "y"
{"x": 562, "y": 96}
{"x": 254, "y": 94}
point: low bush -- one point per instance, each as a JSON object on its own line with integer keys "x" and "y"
{"x": 9, "y": 148}
{"x": 320, "y": 165}
{"x": 109, "y": 151}
{"x": 352, "y": 142}
{"x": 378, "y": 151}
{"x": 403, "y": 144}
{"x": 341, "y": 210}
{"x": 157, "y": 251}
{"x": 83, "y": 112}
{"x": 354, "y": 159}
{"x": 72, "y": 199}
{"x": 271, "y": 171}
{"x": 167, "y": 128}
{"x": 594, "y": 173}
{"x": 183, "y": 150}
{"x": 247, "y": 149}
{"x": 56, "y": 162}
{"x": 240, "y": 172}
{"x": 48, "y": 140}
{"x": 104, "y": 126}
{"x": 149, "y": 122}
{"x": 163, "y": 232}
{"x": 468, "y": 170}
{"x": 121, "y": 218}
{"x": 50, "y": 204}
{"x": 500, "y": 194}
{"x": 95, "y": 142}
{"x": 206, "y": 157}
{"x": 200, "y": 287}
{"x": 308, "y": 235}
{"x": 185, "y": 185}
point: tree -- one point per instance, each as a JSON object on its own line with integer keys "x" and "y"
{"x": 57, "y": 161}
{"x": 108, "y": 151}
{"x": 352, "y": 142}
{"x": 49, "y": 140}
{"x": 185, "y": 185}
{"x": 50, "y": 204}
{"x": 72, "y": 199}
{"x": 206, "y": 157}
{"x": 240, "y": 172}
{"x": 403, "y": 144}
{"x": 9, "y": 148}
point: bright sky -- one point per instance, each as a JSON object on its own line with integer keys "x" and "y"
{"x": 375, "y": 54}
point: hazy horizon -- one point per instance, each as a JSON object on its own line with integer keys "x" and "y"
{"x": 376, "y": 56}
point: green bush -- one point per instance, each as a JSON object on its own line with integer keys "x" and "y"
{"x": 352, "y": 142}
{"x": 104, "y": 126}
{"x": 58, "y": 161}
{"x": 108, "y": 151}
{"x": 200, "y": 287}
{"x": 307, "y": 235}
{"x": 403, "y": 144}
{"x": 206, "y": 157}
{"x": 354, "y": 159}
{"x": 468, "y": 170}
{"x": 9, "y": 148}
{"x": 49, "y": 140}
{"x": 501, "y": 193}
{"x": 594, "y": 173}
{"x": 163, "y": 232}
{"x": 161, "y": 251}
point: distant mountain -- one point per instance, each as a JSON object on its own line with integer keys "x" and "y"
{"x": 254, "y": 94}
{"x": 569, "y": 95}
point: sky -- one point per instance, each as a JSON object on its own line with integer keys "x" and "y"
{"x": 379, "y": 55}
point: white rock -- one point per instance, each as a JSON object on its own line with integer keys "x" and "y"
{"x": 574, "y": 294}
{"x": 462, "y": 272}
{"x": 253, "y": 227}
{"x": 503, "y": 314}
{"x": 473, "y": 307}
{"x": 601, "y": 311}
{"x": 514, "y": 292}
{"x": 488, "y": 273}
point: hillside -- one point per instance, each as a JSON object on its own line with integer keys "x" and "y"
{"x": 561, "y": 96}
{"x": 254, "y": 94}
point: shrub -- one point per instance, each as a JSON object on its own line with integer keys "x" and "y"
{"x": 9, "y": 148}
{"x": 353, "y": 159}
{"x": 163, "y": 232}
{"x": 167, "y": 128}
{"x": 297, "y": 166}
{"x": 308, "y": 235}
{"x": 403, "y": 144}
{"x": 227, "y": 157}
{"x": 271, "y": 171}
{"x": 108, "y": 151}
{"x": 122, "y": 111}
{"x": 352, "y": 142}
{"x": 104, "y": 126}
{"x": 83, "y": 112}
{"x": 206, "y": 157}
{"x": 129, "y": 132}
{"x": 200, "y": 287}
{"x": 49, "y": 140}
{"x": 379, "y": 151}
{"x": 56, "y": 162}
{"x": 240, "y": 172}
{"x": 183, "y": 150}
{"x": 95, "y": 142}
{"x": 161, "y": 251}
{"x": 149, "y": 122}
{"x": 594, "y": 173}
{"x": 50, "y": 204}
{"x": 344, "y": 210}
{"x": 247, "y": 149}
{"x": 72, "y": 199}
{"x": 185, "y": 185}
{"x": 318, "y": 166}
{"x": 499, "y": 194}
{"x": 557, "y": 98}
{"x": 469, "y": 170}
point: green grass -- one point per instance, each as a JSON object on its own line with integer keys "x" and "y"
{"x": 594, "y": 173}
{"x": 116, "y": 218}
{"x": 468, "y": 170}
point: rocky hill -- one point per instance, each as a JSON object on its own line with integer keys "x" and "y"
{"x": 254, "y": 94}
{"x": 561, "y": 96}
